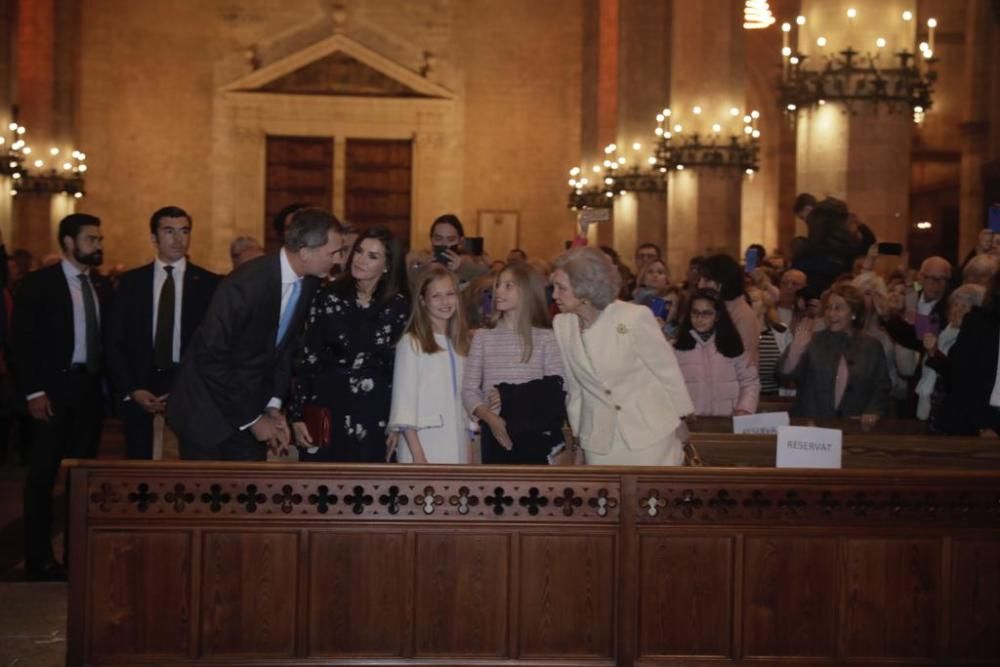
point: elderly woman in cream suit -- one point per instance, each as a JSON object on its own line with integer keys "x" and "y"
{"x": 626, "y": 392}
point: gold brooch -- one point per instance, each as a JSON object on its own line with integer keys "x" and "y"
{"x": 622, "y": 329}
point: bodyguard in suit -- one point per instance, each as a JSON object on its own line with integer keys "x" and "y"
{"x": 59, "y": 313}
{"x": 157, "y": 309}
{"x": 226, "y": 401}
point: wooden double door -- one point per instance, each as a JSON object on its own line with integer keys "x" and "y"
{"x": 375, "y": 183}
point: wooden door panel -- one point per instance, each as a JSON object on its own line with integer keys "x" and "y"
{"x": 461, "y": 604}
{"x": 899, "y": 574}
{"x": 246, "y": 607}
{"x": 298, "y": 170}
{"x": 975, "y": 600}
{"x": 567, "y": 598}
{"x": 684, "y": 604}
{"x": 780, "y": 619}
{"x": 357, "y": 599}
{"x": 140, "y": 583}
{"x": 378, "y": 185}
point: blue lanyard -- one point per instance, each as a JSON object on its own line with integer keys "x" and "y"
{"x": 451, "y": 359}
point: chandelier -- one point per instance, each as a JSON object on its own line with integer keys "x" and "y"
{"x": 34, "y": 172}
{"x": 731, "y": 141}
{"x": 757, "y": 14}
{"x": 897, "y": 82}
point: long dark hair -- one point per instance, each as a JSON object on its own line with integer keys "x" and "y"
{"x": 392, "y": 282}
{"x": 727, "y": 338}
{"x": 726, "y": 271}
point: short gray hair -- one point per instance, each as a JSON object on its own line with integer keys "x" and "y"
{"x": 241, "y": 243}
{"x": 592, "y": 275}
{"x": 973, "y": 295}
{"x": 310, "y": 228}
{"x": 979, "y": 268}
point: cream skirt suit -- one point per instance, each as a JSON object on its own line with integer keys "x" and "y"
{"x": 626, "y": 394}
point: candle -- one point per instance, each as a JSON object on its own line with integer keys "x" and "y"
{"x": 931, "y": 24}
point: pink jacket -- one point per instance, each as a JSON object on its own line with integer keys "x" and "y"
{"x": 717, "y": 384}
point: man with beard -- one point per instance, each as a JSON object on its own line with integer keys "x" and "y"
{"x": 157, "y": 309}
{"x": 59, "y": 312}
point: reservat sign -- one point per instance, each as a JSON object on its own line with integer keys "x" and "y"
{"x": 809, "y": 447}
{"x": 764, "y": 422}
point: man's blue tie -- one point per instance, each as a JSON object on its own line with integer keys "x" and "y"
{"x": 286, "y": 316}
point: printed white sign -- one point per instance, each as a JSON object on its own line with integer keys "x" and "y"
{"x": 765, "y": 422}
{"x": 807, "y": 447}
{"x": 590, "y": 215}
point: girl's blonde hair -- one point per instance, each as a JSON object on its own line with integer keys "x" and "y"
{"x": 420, "y": 326}
{"x": 533, "y": 311}
{"x": 640, "y": 280}
{"x": 771, "y": 317}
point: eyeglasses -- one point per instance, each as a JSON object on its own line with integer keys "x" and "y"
{"x": 702, "y": 313}
{"x": 936, "y": 279}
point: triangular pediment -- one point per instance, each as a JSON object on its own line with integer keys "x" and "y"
{"x": 339, "y": 74}
{"x": 339, "y": 66}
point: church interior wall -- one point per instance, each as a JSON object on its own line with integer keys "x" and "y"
{"x": 147, "y": 78}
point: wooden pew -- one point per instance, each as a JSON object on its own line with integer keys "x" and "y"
{"x": 891, "y": 444}
{"x": 545, "y": 566}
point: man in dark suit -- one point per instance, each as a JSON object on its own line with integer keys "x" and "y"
{"x": 59, "y": 312}
{"x": 157, "y": 309}
{"x": 226, "y": 401}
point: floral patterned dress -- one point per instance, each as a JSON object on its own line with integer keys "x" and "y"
{"x": 346, "y": 365}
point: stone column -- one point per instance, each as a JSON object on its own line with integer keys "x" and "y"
{"x": 975, "y": 126}
{"x": 599, "y": 93}
{"x": 643, "y": 90}
{"x": 861, "y": 156}
{"x": 707, "y": 71}
{"x": 8, "y": 30}
{"x": 45, "y": 62}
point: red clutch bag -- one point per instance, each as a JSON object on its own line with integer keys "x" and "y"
{"x": 317, "y": 420}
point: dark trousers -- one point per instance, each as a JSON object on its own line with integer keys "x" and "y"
{"x": 241, "y": 446}
{"x": 139, "y": 423}
{"x": 520, "y": 454}
{"x": 74, "y": 431}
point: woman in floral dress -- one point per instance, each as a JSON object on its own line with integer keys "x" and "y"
{"x": 349, "y": 346}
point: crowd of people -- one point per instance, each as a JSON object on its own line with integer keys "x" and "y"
{"x": 349, "y": 349}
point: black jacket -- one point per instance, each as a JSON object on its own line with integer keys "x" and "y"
{"x": 42, "y": 328}
{"x": 232, "y": 367}
{"x": 535, "y": 412}
{"x": 905, "y": 334}
{"x": 130, "y": 354}
{"x": 868, "y": 382}
{"x": 971, "y": 372}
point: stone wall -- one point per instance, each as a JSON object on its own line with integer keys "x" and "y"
{"x": 150, "y": 76}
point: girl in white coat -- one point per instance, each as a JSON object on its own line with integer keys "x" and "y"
{"x": 426, "y": 386}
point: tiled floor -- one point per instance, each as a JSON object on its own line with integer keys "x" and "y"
{"x": 33, "y": 615}
{"x": 32, "y": 625}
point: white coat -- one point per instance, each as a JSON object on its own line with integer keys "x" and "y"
{"x": 427, "y": 397}
{"x": 624, "y": 385}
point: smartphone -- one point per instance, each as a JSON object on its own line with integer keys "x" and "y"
{"x": 474, "y": 245}
{"x": 890, "y": 249}
{"x": 752, "y": 259}
{"x": 659, "y": 307}
{"x": 487, "y": 304}
{"x": 441, "y": 253}
{"x": 993, "y": 218}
